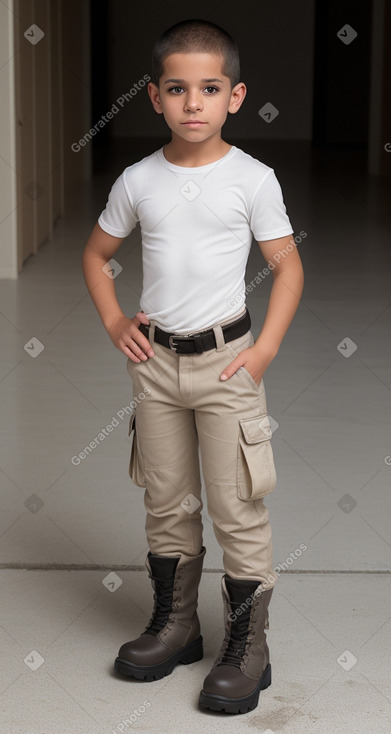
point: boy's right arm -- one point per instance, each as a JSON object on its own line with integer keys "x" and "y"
{"x": 124, "y": 332}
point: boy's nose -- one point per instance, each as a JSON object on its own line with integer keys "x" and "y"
{"x": 193, "y": 103}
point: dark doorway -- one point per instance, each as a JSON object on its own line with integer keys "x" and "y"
{"x": 342, "y": 73}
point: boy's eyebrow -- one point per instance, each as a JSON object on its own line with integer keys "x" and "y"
{"x": 180, "y": 81}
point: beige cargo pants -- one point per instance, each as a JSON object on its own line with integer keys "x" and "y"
{"x": 187, "y": 406}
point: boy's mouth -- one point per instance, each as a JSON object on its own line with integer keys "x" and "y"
{"x": 194, "y": 122}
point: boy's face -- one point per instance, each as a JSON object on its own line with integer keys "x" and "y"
{"x": 192, "y": 87}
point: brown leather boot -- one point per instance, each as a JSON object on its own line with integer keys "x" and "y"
{"x": 173, "y": 632}
{"x": 241, "y": 669}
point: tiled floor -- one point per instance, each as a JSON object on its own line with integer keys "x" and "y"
{"x": 64, "y": 527}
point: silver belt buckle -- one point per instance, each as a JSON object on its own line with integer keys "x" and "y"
{"x": 170, "y": 342}
{"x": 183, "y": 337}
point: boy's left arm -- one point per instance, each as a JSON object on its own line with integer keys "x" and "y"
{"x": 288, "y": 282}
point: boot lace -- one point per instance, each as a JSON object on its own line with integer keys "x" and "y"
{"x": 163, "y": 604}
{"x": 237, "y": 641}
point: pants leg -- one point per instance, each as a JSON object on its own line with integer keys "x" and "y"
{"x": 237, "y": 462}
{"x": 168, "y": 453}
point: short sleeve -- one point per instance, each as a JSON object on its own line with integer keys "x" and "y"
{"x": 119, "y": 217}
{"x": 268, "y": 217}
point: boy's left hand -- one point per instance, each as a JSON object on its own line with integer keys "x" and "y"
{"x": 254, "y": 361}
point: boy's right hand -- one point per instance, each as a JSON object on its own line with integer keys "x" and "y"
{"x": 126, "y": 336}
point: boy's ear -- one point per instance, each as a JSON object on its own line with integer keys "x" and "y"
{"x": 238, "y": 94}
{"x": 154, "y": 96}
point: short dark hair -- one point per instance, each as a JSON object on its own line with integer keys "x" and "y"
{"x": 196, "y": 36}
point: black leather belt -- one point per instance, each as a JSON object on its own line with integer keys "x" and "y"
{"x": 201, "y": 342}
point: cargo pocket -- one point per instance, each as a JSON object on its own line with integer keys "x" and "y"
{"x": 136, "y": 472}
{"x": 256, "y": 474}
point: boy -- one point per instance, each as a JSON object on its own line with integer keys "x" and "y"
{"x": 194, "y": 363}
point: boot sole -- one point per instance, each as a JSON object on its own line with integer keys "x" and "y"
{"x": 188, "y": 654}
{"x": 237, "y": 705}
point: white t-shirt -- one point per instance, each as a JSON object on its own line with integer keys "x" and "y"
{"x": 197, "y": 226}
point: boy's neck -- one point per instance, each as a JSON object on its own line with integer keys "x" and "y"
{"x": 192, "y": 155}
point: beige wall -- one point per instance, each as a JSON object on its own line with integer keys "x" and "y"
{"x": 8, "y": 222}
{"x": 45, "y": 106}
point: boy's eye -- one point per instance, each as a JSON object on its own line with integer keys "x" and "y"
{"x": 175, "y": 89}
